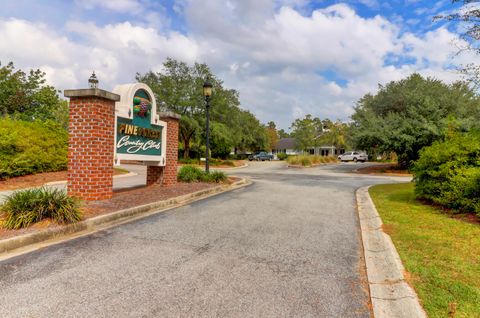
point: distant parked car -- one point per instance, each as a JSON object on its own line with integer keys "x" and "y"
{"x": 353, "y": 156}
{"x": 260, "y": 156}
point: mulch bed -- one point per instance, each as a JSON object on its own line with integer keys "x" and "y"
{"x": 32, "y": 180}
{"x": 35, "y": 180}
{"x": 122, "y": 199}
{"x": 128, "y": 198}
{"x": 384, "y": 169}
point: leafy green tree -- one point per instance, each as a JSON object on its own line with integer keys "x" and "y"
{"x": 283, "y": 134}
{"x": 307, "y": 132}
{"x": 335, "y": 134}
{"x": 179, "y": 88}
{"x": 407, "y": 115}
{"x": 27, "y": 97}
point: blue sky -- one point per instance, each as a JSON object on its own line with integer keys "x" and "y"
{"x": 287, "y": 58}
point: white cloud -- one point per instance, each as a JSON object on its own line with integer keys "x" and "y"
{"x": 285, "y": 62}
{"x": 128, "y": 6}
{"x": 115, "y": 52}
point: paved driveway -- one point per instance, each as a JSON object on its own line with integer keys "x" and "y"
{"x": 286, "y": 246}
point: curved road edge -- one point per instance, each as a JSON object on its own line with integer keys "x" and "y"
{"x": 390, "y": 293}
{"x": 26, "y": 243}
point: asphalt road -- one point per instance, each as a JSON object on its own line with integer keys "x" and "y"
{"x": 286, "y": 246}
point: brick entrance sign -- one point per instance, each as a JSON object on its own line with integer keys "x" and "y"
{"x": 107, "y": 128}
{"x": 167, "y": 175}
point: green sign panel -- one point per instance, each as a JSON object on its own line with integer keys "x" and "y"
{"x": 137, "y": 136}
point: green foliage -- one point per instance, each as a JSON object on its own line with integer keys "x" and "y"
{"x": 448, "y": 173}
{"x": 180, "y": 88}
{"x": 439, "y": 252}
{"x": 27, "y": 97}
{"x": 410, "y": 114}
{"x": 215, "y": 176}
{"x": 23, "y": 208}
{"x": 31, "y": 147}
{"x": 194, "y": 174}
{"x": 306, "y": 132}
{"x": 282, "y": 156}
{"x": 221, "y": 141}
{"x": 190, "y": 174}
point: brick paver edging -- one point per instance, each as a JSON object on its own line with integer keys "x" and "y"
{"x": 111, "y": 219}
{"x": 391, "y": 295}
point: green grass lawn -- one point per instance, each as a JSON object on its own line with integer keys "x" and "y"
{"x": 440, "y": 253}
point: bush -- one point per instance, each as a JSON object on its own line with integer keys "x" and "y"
{"x": 194, "y": 174}
{"x": 215, "y": 176}
{"x": 282, "y": 156}
{"x": 22, "y": 208}
{"x": 242, "y": 156}
{"x": 31, "y": 147}
{"x": 189, "y": 174}
{"x": 448, "y": 173}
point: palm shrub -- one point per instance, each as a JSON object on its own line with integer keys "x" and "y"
{"x": 448, "y": 172}
{"x": 23, "y": 208}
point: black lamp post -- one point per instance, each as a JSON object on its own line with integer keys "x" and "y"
{"x": 207, "y": 92}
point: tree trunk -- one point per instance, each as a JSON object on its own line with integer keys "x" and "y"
{"x": 186, "y": 148}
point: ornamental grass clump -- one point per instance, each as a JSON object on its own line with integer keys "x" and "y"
{"x": 309, "y": 160}
{"x": 23, "y": 208}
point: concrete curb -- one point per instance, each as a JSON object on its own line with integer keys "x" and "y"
{"x": 391, "y": 295}
{"x": 107, "y": 220}
{"x": 231, "y": 168}
{"x": 130, "y": 174}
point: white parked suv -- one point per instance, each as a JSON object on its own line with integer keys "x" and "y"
{"x": 353, "y": 156}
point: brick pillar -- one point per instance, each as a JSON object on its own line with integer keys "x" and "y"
{"x": 167, "y": 175}
{"x": 154, "y": 175}
{"x": 91, "y": 143}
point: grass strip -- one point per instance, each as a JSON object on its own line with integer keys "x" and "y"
{"x": 441, "y": 254}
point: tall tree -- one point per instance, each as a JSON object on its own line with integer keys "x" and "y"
{"x": 407, "y": 115}
{"x": 271, "y": 130}
{"x": 178, "y": 87}
{"x": 307, "y": 132}
{"x": 334, "y": 134}
{"x": 283, "y": 134}
{"x": 28, "y": 97}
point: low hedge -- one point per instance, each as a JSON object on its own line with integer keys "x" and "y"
{"x": 31, "y": 147}
{"x": 448, "y": 173}
{"x": 194, "y": 174}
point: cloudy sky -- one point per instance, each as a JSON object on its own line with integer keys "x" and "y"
{"x": 287, "y": 58}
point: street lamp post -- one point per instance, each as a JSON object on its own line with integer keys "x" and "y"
{"x": 207, "y": 92}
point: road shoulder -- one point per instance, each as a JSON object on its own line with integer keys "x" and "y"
{"x": 390, "y": 294}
